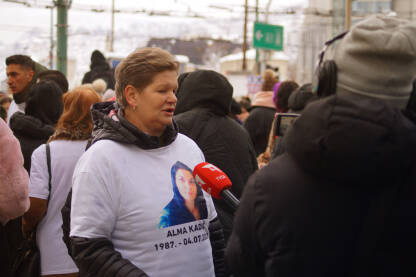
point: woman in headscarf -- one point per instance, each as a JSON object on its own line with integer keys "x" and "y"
{"x": 34, "y": 127}
{"x": 100, "y": 69}
{"x": 66, "y": 146}
{"x": 188, "y": 202}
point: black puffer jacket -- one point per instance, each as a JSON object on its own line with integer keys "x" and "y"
{"x": 97, "y": 257}
{"x": 340, "y": 202}
{"x": 100, "y": 69}
{"x": 31, "y": 132}
{"x": 204, "y": 99}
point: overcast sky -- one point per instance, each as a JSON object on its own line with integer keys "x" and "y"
{"x": 17, "y": 19}
{"x": 163, "y": 4}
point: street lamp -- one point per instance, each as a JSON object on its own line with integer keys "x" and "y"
{"x": 348, "y": 14}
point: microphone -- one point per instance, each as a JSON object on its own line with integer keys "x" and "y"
{"x": 214, "y": 181}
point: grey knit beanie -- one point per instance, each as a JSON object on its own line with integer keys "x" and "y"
{"x": 377, "y": 58}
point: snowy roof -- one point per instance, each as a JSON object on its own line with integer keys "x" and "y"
{"x": 122, "y": 55}
{"x": 182, "y": 58}
{"x": 251, "y": 55}
{"x": 116, "y": 55}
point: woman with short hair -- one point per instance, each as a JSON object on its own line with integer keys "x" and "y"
{"x": 66, "y": 146}
{"x": 122, "y": 183}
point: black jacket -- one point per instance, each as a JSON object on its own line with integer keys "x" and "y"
{"x": 204, "y": 99}
{"x": 97, "y": 257}
{"x": 31, "y": 132}
{"x": 340, "y": 202}
{"x": 10, "y": 239}
{"x": 258, "y": 124}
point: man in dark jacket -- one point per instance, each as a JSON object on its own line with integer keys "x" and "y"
{"x": 21, "y": 73}
{"x": 204, "y": 100}
{"x": 100, "y": 69}
{"x": 342, "y": 200}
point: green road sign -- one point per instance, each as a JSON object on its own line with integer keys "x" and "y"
{"x": 268, "y": 36}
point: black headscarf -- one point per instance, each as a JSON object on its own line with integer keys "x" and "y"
{"x": 98, "y": 60}
{"x": 45, "y": 102}
{"x": 204, "y": 89}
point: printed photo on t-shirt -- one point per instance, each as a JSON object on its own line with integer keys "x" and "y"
{"x": 188, "y": 202}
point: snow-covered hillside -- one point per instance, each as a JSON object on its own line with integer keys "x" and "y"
{"x": 89, "y": 30}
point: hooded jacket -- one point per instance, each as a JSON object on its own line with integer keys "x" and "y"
{"x": 99, "y": 70}
{"x": 34, "y": 127}
{"x": 340, "y": 202}
{"x": 204, "y": 99}
{"x": 96, "y": 256}
{"x": 31, "y": 132}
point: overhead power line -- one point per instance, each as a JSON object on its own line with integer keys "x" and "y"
{"x": 211, "y": 11}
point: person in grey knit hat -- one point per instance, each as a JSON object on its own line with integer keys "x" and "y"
{"x": 341, "y": 201}
{"x": 377, "y": 59}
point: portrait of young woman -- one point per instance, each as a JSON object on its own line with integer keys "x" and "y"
{"x": 188, "y": 203}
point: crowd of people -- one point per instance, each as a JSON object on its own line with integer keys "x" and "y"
{"x": 101, "y": 175}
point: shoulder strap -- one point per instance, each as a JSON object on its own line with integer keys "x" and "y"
{"x": 48, "y": 160}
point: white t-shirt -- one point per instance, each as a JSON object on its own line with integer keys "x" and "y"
{"x": 120, "y": 192}
{"x": 15, "y": 108}
{"x": 64, "y": 156}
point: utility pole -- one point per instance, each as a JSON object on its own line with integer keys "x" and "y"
{"x": 257, "y": 50}
{"x": 62, "y": 27}
{"x": 112, "y": 27}
{"x": 51, "y": 42}
{"x": 267, "y": 54}
{"x": 245, "y": 36}
{"x": 267, "y": 10}
{"x": 348, "y": 14}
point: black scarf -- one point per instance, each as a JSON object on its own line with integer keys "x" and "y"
{"x": 21, "y": 97}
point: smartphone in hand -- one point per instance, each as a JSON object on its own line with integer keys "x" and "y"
{"x": 283, "y": 121}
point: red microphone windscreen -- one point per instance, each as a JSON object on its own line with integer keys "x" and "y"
{"x": 212, "y": 179}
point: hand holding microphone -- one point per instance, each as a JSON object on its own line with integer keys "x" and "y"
{"x": 214, "y": 181}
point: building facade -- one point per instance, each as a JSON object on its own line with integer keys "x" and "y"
{"x": 326, "y": 18}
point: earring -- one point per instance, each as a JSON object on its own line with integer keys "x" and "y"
{"x": 134, "y": 108}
